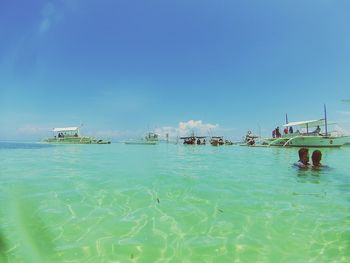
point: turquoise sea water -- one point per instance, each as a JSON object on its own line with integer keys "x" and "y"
{"x": 171, "y": 203}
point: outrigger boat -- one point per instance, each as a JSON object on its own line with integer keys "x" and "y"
{"x": 150, "y": 139}
{"x": 71, "y": 135}
{"x": 192, "y": 140}
{"x": 250, "y": 140}
{"x": 219, "y": 140}
{"x": 309, "y": 139}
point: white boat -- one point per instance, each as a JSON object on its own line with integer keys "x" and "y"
{"x": 307, "y": 138}
{"x": 71, "y": 135}
{"x": 249, "y": 140}
{"x": 150, "y": 139}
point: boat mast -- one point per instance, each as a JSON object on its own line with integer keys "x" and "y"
{"x": 325, "y": 118}
{"x": 286, "y": 118}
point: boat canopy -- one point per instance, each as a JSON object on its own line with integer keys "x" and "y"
{"x": 191, "y": 137}
{"x": 304, "y": 124}
{"x": 66, "y": 129}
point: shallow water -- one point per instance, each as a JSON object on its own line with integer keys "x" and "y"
{"x": 171, "y": 203}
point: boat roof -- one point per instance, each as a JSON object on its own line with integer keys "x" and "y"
{"x": 190, "y": 137}
{"x": 310, "y": 123}
{"x": 66, "y": 129}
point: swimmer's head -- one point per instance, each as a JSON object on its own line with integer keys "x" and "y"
{"x": 316, "y": 157}
{"x": 304, "y": 155}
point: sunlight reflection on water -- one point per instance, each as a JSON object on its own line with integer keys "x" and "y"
{"x": 171, "y": 202}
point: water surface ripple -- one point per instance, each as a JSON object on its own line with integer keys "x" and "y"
{"x": 171, "y": 203}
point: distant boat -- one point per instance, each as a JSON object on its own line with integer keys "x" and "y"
{"x": 194, "y": 140}
{"x": 71, "y": 135}
{"x": 150, "y": 139}
{"x": 219, "y": 140}
{"x": 250, "y": 140}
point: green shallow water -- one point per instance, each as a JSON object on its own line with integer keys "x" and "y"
{"x": 171, "y": 203}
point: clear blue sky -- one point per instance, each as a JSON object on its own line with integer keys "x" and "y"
{"x": 123, "y": 66}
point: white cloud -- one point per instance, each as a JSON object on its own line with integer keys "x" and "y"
{"x": 51, "y": 14}
{"x": 186, "y": 128}
{"x": 48, "y": 16}
{"x": 45, "y": 25}
{"x": 344, "y": 121}
{"x": 196, "y": 126}
{"x": 338, "y": 130}
{"x": 346, "y": 113}
{"x": 32, "y": 130}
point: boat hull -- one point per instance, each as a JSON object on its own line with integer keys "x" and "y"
{"x": 75, "y": 140}
{"x": 310, "y": 141}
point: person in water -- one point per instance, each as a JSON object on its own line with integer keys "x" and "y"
{"x": 316, "y": 159}
{"x": 303, "y": 158}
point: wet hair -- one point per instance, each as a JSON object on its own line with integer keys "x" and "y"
{"x": 316, "y": 157}
{"x": 302, "y": 151}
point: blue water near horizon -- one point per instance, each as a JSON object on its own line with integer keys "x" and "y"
{"x": 171, "y": 203}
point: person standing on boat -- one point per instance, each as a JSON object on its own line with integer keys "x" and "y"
{"x": 290, "y": 129}
{"x": 278, "y": 134}
{"x": 274, "y": 133}
{"x": 303, "y": 158}
{"x": 285, "y": 130}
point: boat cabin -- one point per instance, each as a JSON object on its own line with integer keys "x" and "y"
{"x": 311, "y": 127}
{"x": 67, "y": 132}
{"x": 151, "y": 136}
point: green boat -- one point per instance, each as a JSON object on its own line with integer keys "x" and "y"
{"x": 71, "y": 135}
